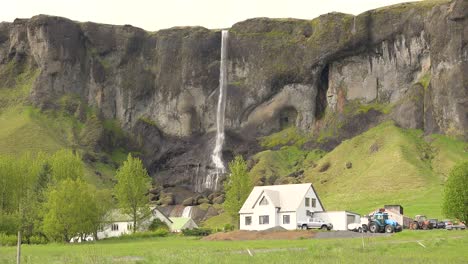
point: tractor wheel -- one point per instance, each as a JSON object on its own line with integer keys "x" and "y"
{"x": 389, "y": 229}
{"x": 365, "y": 228}
{"x": 373, "y": 228}
{"x": 425, "y": 226}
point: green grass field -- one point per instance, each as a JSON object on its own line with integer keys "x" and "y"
{"x": 441, "y": 246}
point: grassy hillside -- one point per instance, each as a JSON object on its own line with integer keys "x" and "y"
{"x": 26, "y": 129}
{"x": 388, "y": 165}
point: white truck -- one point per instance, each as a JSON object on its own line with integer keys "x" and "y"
{"x": 315, "y": 223}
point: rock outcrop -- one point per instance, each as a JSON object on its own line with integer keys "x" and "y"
{"x": 162, "y": 86}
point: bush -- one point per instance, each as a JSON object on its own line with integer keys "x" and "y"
{"x": 158, "y": 224}
{"x": 148, "y": 234}
{"x": 9, "y": 224}
{"x": 11, "y": 240}
{"x": 197, "y": 232}
{"x": 38, "y": 240}
{"x": 7, "y": 240}
{"x": 228, "y": 227}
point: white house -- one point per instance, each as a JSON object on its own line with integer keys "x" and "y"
{"x": 279, "y": 205}
{"x": 119, "y": 224}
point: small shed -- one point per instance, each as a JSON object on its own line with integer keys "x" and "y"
{"x": 339, "y": 219}
{"x": 180, "y": 223}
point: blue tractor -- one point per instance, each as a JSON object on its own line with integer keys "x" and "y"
{"x": 380, "y": 223}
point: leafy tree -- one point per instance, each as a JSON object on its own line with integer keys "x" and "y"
{"x": 132, "y": 186}
{"x": 104, "y": 203}
{"x": 70, "y": 209}
{"x": 455, "y": 202}
{"x": 19, "y": 178}
{"x": 6, "y": 184}
{"x": 64, "y": 164}
{"x": 237, "y": 187}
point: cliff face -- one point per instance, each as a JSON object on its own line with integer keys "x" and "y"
{"x": 162, "y": 86}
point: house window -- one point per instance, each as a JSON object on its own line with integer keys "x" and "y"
{"x": 286, "y": 219}
{"x": 129, "y": 226}
{"x": 115, "y": 227}
{"x": 264, "y": 219}
{"x": 307, "y": 202}
{"x": 314, "y": 202}
{"x": 248, "y": 220}
{"x": 263, "y": 201}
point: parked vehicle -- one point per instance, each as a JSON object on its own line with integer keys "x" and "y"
{"x": 441, "y": 225}
{"x": 380, "y": 223}
{"x": 357, "y": 227}
{"x": 448, "y": 224}
{"x": 460, "y": 226}
{"x": 420, "y": 222}
{"x": 433, "y": 222}
{"x": 315, "y": 223}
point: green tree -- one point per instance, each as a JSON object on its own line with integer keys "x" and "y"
{"x": 237, "y": 187}
{"x": 65, "y": 164}
{"x": 104, "y": 204}
{"x": 455, "y": 202}
{"x": 131, "y": 189}
{"x": 70, "y": 209}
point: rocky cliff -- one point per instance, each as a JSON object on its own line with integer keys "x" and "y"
{"x": 410, "y": 60}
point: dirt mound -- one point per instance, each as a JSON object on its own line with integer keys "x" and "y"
{"x": 259, "y": 235}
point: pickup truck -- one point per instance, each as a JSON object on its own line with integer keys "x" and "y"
{"x": 315, "y": 223}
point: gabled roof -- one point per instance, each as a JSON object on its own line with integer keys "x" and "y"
{"x": 274, "y": 197}
{"x": 154, "y": 208}
{"x": 179, "y": 222}
{"x": 288, "y": 197}
{"x": 116, "y": 215}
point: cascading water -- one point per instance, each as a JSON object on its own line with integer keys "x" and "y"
{"x": 353, "y": 30}
{"x": 217, "y": 156}
{"x": 187, "y": 211}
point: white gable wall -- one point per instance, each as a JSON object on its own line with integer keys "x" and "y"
{"x": 302, "y": 210}
{"x": 260, "y": 210}
{"x": 108, "y": 232}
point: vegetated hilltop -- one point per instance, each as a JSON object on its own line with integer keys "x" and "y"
{"x": 106, "y": 90}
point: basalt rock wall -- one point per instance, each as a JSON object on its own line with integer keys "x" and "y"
{"x": 162, "y": 86}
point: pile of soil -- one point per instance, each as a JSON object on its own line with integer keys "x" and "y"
{"x": 261, "y": 235}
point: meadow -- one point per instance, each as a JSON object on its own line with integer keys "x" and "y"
{"x": 437, "y": 246}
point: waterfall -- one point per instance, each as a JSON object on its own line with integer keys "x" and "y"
{"x": 353, "y": 30}
{"x": 187, "y": 212}
{"x": 217, "y": 156}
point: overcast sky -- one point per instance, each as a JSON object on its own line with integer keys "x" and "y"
{"x": 156, "y": 14}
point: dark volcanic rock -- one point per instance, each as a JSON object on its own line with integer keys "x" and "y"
{"x": 162, "y": 86}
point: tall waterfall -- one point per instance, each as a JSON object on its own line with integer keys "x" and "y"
{"x": 217, "y": 156}
{"x": 187, "y": 211}
{"x": 353, "y": 30}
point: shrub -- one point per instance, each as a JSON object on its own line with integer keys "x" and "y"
{"x": 38, "y": 240}
{"x": 148, "y": 234}
{"x": 158, "y": 224}
{"x": 9, "y": 224}
{"x": 197, "y": 232}
{"x": 228, "y": 227}
{"x": 7, "y": 240}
